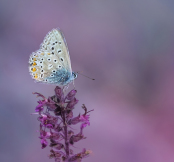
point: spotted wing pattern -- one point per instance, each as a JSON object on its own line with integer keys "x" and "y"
{"x": 51, "y": 63}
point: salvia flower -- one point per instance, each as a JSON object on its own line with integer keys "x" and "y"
{"x": 71, "y": 94}
{"x": 56, "y": 118}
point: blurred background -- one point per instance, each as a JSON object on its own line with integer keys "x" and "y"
{"x": 127, "y": 46}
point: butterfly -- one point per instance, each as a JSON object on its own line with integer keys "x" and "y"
{"x": 51, "y": 63}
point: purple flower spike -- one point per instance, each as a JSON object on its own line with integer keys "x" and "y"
{"x": 78, "y": 157}
{"x": 78, "y": 119}
{"x": 84, "y": 125}
{"x": 55, "y": 117}
{"x": 51, "y": 104}
{"x": 71, "y": 94}
{"x": 44, "y": 143}
{"x": 39, "y": 95}
{"x": 59, "y": 93}
{"x": 39, "y": 107}
{"x": 43, "y": 136}
{"x": 72, "y": 103}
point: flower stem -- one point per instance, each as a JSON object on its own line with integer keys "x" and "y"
{"x": 66, "y": 134}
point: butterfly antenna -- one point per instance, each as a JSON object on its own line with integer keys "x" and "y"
{"x": 85, "y": 75}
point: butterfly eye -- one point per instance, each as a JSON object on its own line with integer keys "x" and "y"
{"x": 59, "y": 51}
{"x": 61, "y": 59}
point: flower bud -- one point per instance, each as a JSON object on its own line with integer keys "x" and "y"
{"x": 71, "y": 94}
{"x": 59, "y": 93}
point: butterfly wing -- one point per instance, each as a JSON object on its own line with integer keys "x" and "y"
{"x": 51, "y": 63}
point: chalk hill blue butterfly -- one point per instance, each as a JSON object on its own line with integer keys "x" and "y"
{"x": 51, "y": 63}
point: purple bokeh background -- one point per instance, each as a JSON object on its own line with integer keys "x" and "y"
{"x": 127, "y": 46}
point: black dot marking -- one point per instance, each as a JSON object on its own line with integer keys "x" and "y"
{"x": 41, "y": 67}
{"x": 53, "y": 53}
{"x": 41, "y": 70}
{"x": 50, "y": 65}
{"x": 59, "y": 66}
{"x": 59, "y": 51}
{"x": 52, "y": 48}
{"x": 53, "y": 43}
{"x": 32, "y": 58}
{"x": 60, "y": 42}
{"x": 56, "y": 42}
{"x": 42, "y": 59}
{"x": 61, "y": 59}
{"x": 41, "y": 75}
{"x": 49, "y": 59}
{"x": 51, "y": 75}
{"x": 55, "y": 60}
{"x": 41, "y": 62}
{"x": 46, "y": 80}
{"x": 54, "y": 71}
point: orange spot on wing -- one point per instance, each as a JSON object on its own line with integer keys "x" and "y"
{"x": 34, "y": 63}
{"x": 35, "y": 76}
{"x": 34, "y": 59}
{"x": 33, "y": 69}
{"x": 48, "y": 53}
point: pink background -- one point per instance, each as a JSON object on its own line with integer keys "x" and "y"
{"x": 127, "y": 46}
